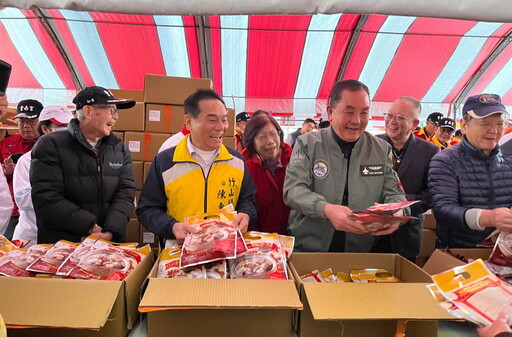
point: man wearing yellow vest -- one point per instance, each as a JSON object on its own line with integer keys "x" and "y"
{"x": 199, "y": 175}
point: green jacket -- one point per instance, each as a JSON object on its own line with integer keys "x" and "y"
{"x": 316, "y": 175}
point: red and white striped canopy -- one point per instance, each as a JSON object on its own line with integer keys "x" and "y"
{"x": 282, "y": 63}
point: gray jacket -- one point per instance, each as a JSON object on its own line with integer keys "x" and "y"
{"x": 316, "y": 175}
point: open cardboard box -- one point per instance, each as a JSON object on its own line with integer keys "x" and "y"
{"x": 67, "y": 307}
{"x": 440, "y": 261}
{"x": 365, "y": 309}
{"x": 211, "y": 307}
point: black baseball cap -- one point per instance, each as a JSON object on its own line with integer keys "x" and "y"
{"x": 29, "y": 108}
{"x": 243, "y": 117}
{"x": 447, "y": 123}
{"x": 99, "y": 95}
{"x": 435, "y": 117}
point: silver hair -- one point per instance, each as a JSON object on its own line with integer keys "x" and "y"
{"x": 80, "y": 114}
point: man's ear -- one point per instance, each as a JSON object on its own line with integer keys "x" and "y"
{"x": 87, "y": 112}
{"x": 329, "y": 113}
{"x": 188, "y": 122}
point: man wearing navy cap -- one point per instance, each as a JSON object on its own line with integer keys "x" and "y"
{"x": 241, "y": 121}
{"x": 13, "y": 146}
{"x": 471, "y": 183}
{"x": 82, "y": 179}
{"x": 428, "y": 131}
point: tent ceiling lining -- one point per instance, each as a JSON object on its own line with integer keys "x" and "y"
{"x": 491, "y": 11}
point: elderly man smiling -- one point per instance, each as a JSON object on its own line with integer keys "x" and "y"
{"x": 471, "y": 183}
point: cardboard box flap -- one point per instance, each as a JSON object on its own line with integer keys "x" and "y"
{"x": 58, "y": 299}
{"x": 356, "y": 301}
{"x": 133, "y": 288}
{"x": 216, "y": 294}
{"x": 440, "y": 261}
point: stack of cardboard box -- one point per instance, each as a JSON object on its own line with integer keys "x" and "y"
{"x": 428, "y": 239}
{"x": 157, "y": 115}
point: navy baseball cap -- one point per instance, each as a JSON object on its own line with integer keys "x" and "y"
{"x": 99, "y": 95}
{"x": 481, "y": 106}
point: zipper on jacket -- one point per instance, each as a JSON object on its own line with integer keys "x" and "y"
{"x": 491, "y": 183}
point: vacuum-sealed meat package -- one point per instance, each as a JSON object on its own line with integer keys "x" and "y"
{"x": 50, "y": 262}
{"x": 215, "y": 239}
{"x": 264, "y": 258}
{"x": 169, "y": 266}
{"x": 108, "y": 262}
{"x": 17, "y": 265}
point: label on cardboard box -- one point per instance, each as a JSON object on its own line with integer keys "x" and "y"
{"x": 154, "y": 115}
{"x": 134, "y": 146}
{"x": 148, "y": 237}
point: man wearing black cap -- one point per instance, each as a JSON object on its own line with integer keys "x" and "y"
{"x": 12, "y": 147}
{"x": 443, "y": 135}
{"x": 241, "y": 121}
{"x": 471, "y": 183}
{"x": 428, "y": 131}
{"x": 82, "y": 179}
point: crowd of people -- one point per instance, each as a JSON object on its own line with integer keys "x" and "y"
{"x": 78, "y": 181}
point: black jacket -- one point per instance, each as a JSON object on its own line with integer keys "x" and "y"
{"x": 73, "y": 188}
{"x": 412, "y": 172}
{"x": 462, "y": 178}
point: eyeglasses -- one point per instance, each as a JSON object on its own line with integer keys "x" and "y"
{"x": 27, "y": 121}
{"x": 399, "y": 118}
{"x": 447, "y": 131}
{"x": 491, "y": 126}
{"x": 113, "y": 108}
{"x": 265, "y": 136}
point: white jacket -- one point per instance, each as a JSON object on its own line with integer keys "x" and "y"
{"x": 5, "y": 203}
{"x": 27, "y": 226}
{"x": 172, "y": 141}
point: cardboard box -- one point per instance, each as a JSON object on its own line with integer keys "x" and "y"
{"x": 164, "y": 118}
{"x": 428, "y": 242}
{"x": 136, "y": 95}
{"x": 430, "y": 221}
{"x": 338, "y": 309}
{"x": 131, "y": 119}
{"x": 172, "y": 90}
{"x": 119, "y": 135}
{"x": 138, "y": 173}
{"x": 228, "y": 308}
{"x": 441, "y": 261}
{"x": 229, "y": 142}
{"x": 147, "y": 166}
{"x": 133, "y": 230}
{"x": 67, "y": 307}
{"x": 230, "y": 132}
{"x": 144, "y": 145}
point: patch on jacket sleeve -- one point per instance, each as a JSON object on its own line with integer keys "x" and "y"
{"x": 320, "y": 169}
{"x": 371, "y": 170}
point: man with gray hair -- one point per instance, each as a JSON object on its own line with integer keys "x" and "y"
{"x": 411, "y": 158}
{"x": 471, "y": 183}
{"x": 82, "y": 179}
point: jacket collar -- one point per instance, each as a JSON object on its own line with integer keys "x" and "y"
{"x": 75, "y": 132}
{"x": 182, "y": 154}
{"x": 478, "y": 154}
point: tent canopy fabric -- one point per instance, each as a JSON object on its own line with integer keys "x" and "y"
{"x": 282, "y": 63}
